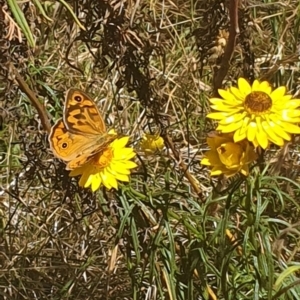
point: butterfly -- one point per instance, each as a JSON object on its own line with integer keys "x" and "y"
{"x": 81, "y": 133}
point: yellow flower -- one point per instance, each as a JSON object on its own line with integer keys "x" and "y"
{"x": 228, "y": 158}
{"x": 151, "y": 143}
{"x": 257, "y": 113}
{"x": 107, "y": 167}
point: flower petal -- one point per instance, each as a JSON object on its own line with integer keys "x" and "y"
{"x": 244, "y": 87}
{"x": 121, "y": 143}
{"x": 278, "y": 94}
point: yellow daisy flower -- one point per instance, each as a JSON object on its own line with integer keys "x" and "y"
{"x": 107, "y": 167}
{"x": 256, "y": 113}
{"x": 152, "y": 143}
{"x": 228, "y": 158}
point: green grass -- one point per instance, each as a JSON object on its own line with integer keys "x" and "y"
{"x": 149, "y": 67}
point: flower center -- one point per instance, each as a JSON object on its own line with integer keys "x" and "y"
{"x": 258, "y": 103}
{"x": 103, "y": 159}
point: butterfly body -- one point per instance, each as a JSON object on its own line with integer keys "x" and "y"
{"x": 81, "y": 133}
